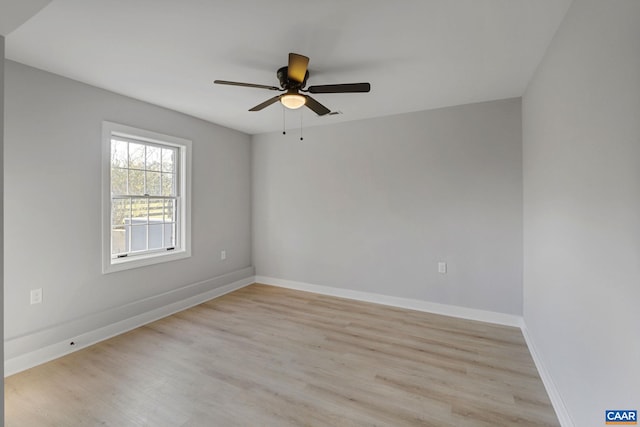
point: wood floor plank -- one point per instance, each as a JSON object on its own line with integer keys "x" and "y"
{"x": 266, "y": 356}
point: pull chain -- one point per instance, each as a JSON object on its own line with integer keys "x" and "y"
{"x": 301, "y": 126}
{"x": 284, "y": 128}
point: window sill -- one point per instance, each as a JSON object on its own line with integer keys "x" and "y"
{"x": 128, "y": 263}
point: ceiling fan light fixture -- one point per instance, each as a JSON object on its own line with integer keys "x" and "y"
{"x": 293, "y": 101}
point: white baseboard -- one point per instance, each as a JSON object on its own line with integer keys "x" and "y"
{"x": 412, "y": 304}
{"x": 554, "y": 395}
{"x": 29, "y": 359}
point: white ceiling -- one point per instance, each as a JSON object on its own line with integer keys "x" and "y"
{"x": 14, "y": 13}
{"x": 417, "y": 54}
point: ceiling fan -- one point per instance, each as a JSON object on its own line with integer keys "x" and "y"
{"x": 293, "y": 79}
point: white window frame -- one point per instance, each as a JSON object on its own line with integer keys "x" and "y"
{"x": 183, "y": 228}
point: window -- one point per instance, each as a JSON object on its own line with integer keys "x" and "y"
{"x": 146, "y": 197}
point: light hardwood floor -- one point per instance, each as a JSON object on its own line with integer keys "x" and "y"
{"x": 265, "y": 356}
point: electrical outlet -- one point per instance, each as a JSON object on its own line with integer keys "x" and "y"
{"x": 442, "y": 267}
{"x": 36, "y": 296}
{"x": 223, "y": 254}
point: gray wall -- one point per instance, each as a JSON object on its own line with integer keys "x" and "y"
{"x": 581, "y": 132}
{"x": 2, "y": 230}
{"x": 53, "y": 207}
{"x": 374, "y": 205}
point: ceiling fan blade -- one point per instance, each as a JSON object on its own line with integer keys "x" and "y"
{"x": 318, "y": 108}
{"x": 226, "y": 82}
{"x": 297, "y": 69}
{"x": 340, "y": 88}
{"x": 266, "y": 103}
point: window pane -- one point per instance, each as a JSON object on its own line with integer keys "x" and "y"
{"x": 120, "y": 210}
{"x": 155, "y": 210}
{"x": 118, "y": 181}
{"x": 155, "y": 236}
{"x": 153, "y": 184}
{"x": 138, "y": 237}
{"x": 169, "y": 211}
{"x": 136, "y": 155}
{"x": 168, "y": 159}
{"x": 168, "y": 184}
{"x": 169, "y": 235}
{"x": 119, "y": 153}
{"x": 154, "y": 158}
{"x": 119, "y": 240}
{"x": 136, "y": 182}
{"x": 139, "y": 211}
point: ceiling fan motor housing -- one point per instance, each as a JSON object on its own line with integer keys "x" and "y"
{"x": 286, "y": 83}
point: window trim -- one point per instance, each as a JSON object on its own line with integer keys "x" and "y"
{"x": 109, "y": 264}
